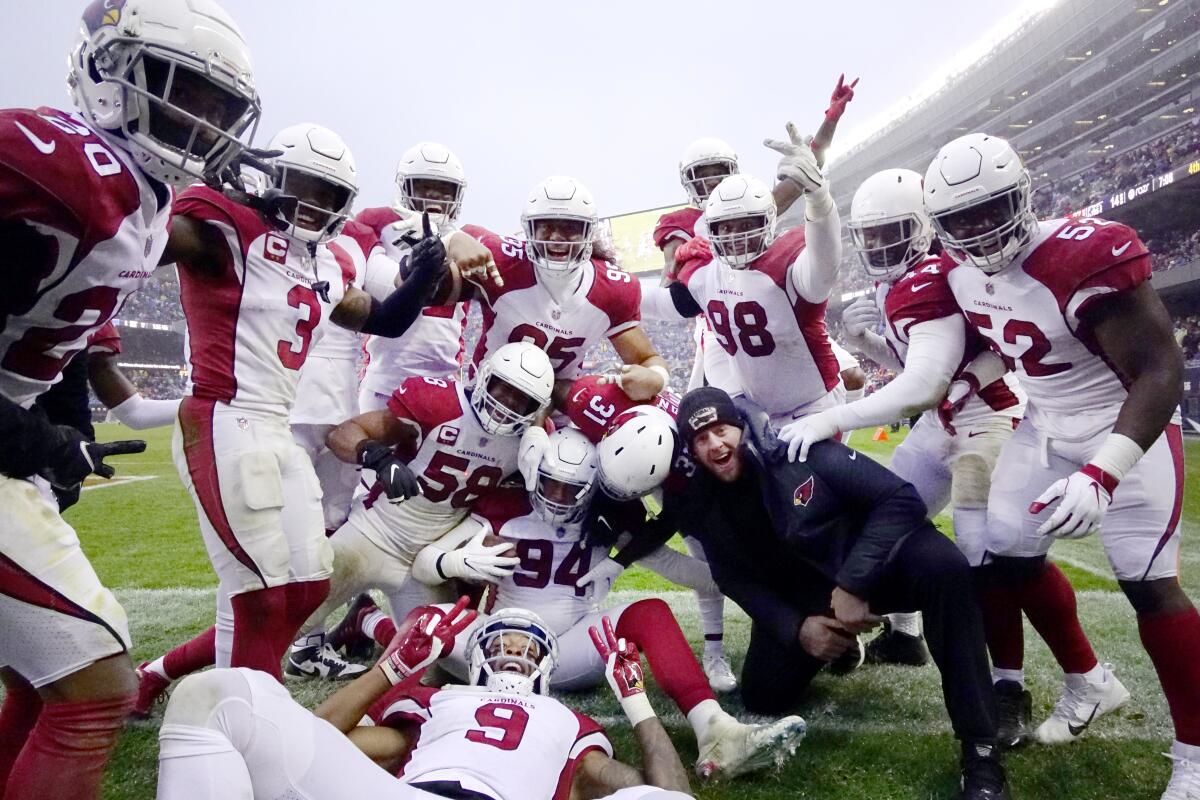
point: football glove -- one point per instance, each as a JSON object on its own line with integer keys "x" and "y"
{"x": 1085, "y": 497}
{"x": 623, "y": 669}
{"x": 861, "y": 316}
{"x": 961, "y": 390}
{"x": 534, "y": 442}
{"x": 430, "y": 638}
{"x": 398, "y": 481}
{"x": 72, "y": 457}
{"x": 842, "y": 94}
{"x": 475, "y": 561}
{"x": 804, "y": 433}
{"x": 602, "y": 575}
{"x": 799, "y": 162}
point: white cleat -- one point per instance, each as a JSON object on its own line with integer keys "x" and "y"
{"x": 1185, "y": 774}
{"x": 720, "y": 674}
{"x": 1081, "y": 704}
{"x": 733, "y": 748}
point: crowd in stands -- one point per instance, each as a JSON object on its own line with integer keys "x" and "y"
{"x": 1187, "y": 333}
{"x": 156, "y": 301}
{"x": 1174, "y": 249}
{"x": 157, "y": 384}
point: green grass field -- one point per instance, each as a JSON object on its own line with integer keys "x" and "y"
{"x": 878, "y": 733}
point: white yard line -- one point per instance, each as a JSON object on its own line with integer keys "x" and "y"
{"x": 120, "y": 480}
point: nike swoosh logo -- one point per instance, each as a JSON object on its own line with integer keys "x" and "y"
{"x": 45, "y": 148}
{"x": 1078, "y": 729}
{"x": 575, "y": 397}
{"x": 1116, "y": 251}
{"x": 853, "y": 454}
{"x": 916, "y": 287}
{"x": 973, "y": 434}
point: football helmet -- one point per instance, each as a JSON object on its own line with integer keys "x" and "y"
{"x": 317, "y": 168}
{"x": 514, "y": 652}
{"x": 425, "y": 163}
{"x": 740, "y": 216}
{"x": 526, "y": 369}
{"x": 568, "y": 202}
{"x": 888, "y": 224}
{"x": 704, "y": 164}
{"x": 169, "y": 81}
{"x": 635, "y": 456}
{"x": 977, "y": 195}
{"x": 566, "y": 477}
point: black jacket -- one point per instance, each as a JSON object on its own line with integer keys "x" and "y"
{"x": 783, "y": 536}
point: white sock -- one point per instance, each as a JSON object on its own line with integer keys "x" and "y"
{"x": 909, "y": 622}
{"x": 703, "y": 715}
{"x": 371, "y": 621}
{"x": 714, "y": 647}
{"x": 1017, "y": 675}
{"x": 158, "y": 667}
{"x": 1095, "y": 674}
{"x": 223, "y": 642}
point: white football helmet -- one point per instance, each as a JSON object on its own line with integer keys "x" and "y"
{"x": 746, "y": 204}
{"x": 888, "y": 224}
{"x": 977, "y": 195}
{"x": 706, "y": 152}
{"x": 635, "y": 455}
{"x": 559, "y": 198}
{"x": 566, "y": 477}
{"x": 169, "y": 81}
{"x": 317, "y": 168}
{"x": 513, "y": 652}
{"x": 427, "y": 162}
{"x": 525, "y": 368}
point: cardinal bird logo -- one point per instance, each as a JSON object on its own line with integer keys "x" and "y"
{"x": 804, "y": 493}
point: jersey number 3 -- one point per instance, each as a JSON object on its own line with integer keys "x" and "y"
{"x": 300, "y": 297}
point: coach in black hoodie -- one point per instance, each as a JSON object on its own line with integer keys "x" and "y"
{"x": 814, "y": 551}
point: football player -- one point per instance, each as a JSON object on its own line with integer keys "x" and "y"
{"x": 85, "y": 200}
{"x": 234, "y": 732}
{"x": 547, "y": 532}
{"x": 1068, "y": 305}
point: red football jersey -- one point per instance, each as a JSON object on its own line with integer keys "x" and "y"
{"x": 593, "y": 406}
{"x": 677, "y": 224}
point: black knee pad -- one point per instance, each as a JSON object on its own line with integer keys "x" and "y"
{"x": 1009, "y": 569}
{"x": 1156, "y": 597}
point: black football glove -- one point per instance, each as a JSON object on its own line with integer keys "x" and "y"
{"x": 72, "y": 457}
{"x": 398, "y": 481}
{"x": 427, "y": 259}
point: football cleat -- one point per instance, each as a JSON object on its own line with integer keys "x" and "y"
{"x": 151, "y": 689}
{"x": 892, "y": 646}
{"x": 982, "y": 773}
{"x": 1015, "y": 707}
{"x": 1081, "y": 704}
{"x": 850, "y": 660}
{"x": 347, "y": 636}
{"x": 720, "y": 675}
{"x": 1185, "y": 773}
{"x": 732, "y": 748}
{"x": 316, "y": 659}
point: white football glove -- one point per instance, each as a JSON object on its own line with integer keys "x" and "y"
{"x": 534, "y": 442}
{"x": 1085, "y": 494}
{"x": 799, "y": 162}
{"x": 475, "y": 561}
{"x": 804, "y": 433}
{"x": 402, "y": 233}
{"x": 602, "y": 576}
{"x": 861, "y": 316}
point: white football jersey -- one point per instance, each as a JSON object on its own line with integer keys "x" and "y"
{"x": 505, "y": 746}
{"x": 92, "y": 230}
{"x": 251, "y": 326}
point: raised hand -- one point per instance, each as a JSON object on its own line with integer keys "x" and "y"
{"x": 799, "y": 162}
{"x": 430, "y": 638}
{"x": 623, "y": 669}
{"x": 842, "y": 94}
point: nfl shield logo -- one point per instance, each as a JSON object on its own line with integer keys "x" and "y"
{"x": 555, "y": 314}
{"x": 987, "y": 287}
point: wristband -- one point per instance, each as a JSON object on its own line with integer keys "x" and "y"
{"x": 390, "y": 672}
{"x": 1116, "y": 456}
{"x": 818, "y": 203}
{"x": 1107, "y": 481}
{"x": 637, "y": 708}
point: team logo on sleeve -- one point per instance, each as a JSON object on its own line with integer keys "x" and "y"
{"x": 275, "y": 248}
{"x": 803, "y": 493}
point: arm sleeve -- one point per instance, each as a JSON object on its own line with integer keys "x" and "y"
{"x": 876, "y": 348}
{"x": 425, "y": 566}
{"x": 669, "y": 303}
{"x": 396, "y": 314}
{"x": 26, "y": 436}
{"x": 816, "y": 268}
{"x": 141, "y": 414}
{"x": 890, "y": 509}
{"x": 935, "y": 350}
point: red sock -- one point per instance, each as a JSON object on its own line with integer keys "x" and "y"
{"x": 652, "y": 626}
{"x": 260, "y": 632}
{"x": 67, "y": 750}
{"x": 22, "y": 704}
{"x": 1002, "y": 626}
{"x": 192, "y": 656}
{"x": 303, "y": 598}
{"x": 1173, "y": 642}
{"x": 385, "y": 631}
{"x": 1049, "y": 602}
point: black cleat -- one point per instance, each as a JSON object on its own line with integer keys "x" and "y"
{"x": 348, "y": 637}
{"x": 896, "y": 647}
{"x": 982, "y": 773}
{"x": 850, "y": 660}
{"x": 1015, "y": 707}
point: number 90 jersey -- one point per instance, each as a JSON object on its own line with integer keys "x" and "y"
{"x": 82, "y": 229}
{"x": 455, "y": 460}
{"x": 1030, "y": 314}
{"x": 250, "y": 326}
{"x": 607, "y": 302}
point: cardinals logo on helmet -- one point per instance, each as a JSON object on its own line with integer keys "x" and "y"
{"x": 804, "y": 493}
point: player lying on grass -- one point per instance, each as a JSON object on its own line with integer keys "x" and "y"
{"x": 237, "y": 734}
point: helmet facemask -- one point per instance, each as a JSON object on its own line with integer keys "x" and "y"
{"x": 559, "y": 244}
{"x": 700, "y": 178}
{"x": 990, "y": 232}
{"x": 561, "y": 501}
{"x": 739, "y": 240}
{"x": 888, "y": 248}
{"x": 514, "y": 652}
{"x": 442, "y": 198}
{"x": 502, "y": 409}
{"x": 322, "y": 202}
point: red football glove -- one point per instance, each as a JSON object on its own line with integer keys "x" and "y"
{"x": 961, "y": 390}
{"x": 623, "y": 668}
{"x": 430, "y": 638}
{"x": 692, "y": 254}
{"x": 842, "y": 94}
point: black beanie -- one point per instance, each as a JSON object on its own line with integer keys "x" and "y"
{"x": 705, "y": 406}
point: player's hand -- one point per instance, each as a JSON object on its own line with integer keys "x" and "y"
{"x": 804, "y": 433}
{"x": 601, "y": 576}
{"x": 852, "y": 612}
{"x": 641, "y": 384}
{"x": 430, "y": 638}
{"x": 623, "y": 669}
{"x": 72, "y": 457}
{"x": 398, "y": 481}
{"x": 1085, "y": 497}
{"x": 799, "y": 162}
{"x": 861, "y": 316}
{"x": 474, "y": 261}
{"x": 842, "y": 94}
{"x": 824, "y": 638}
{"x": 428, "y": 256}
{"x": 403, "y": 233}
{"x": 534, "y": 442}
{"x": 957, "y": 396}
{"x": 476, "y": 561}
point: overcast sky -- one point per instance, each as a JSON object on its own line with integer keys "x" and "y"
{"x": 609, "y": 92}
